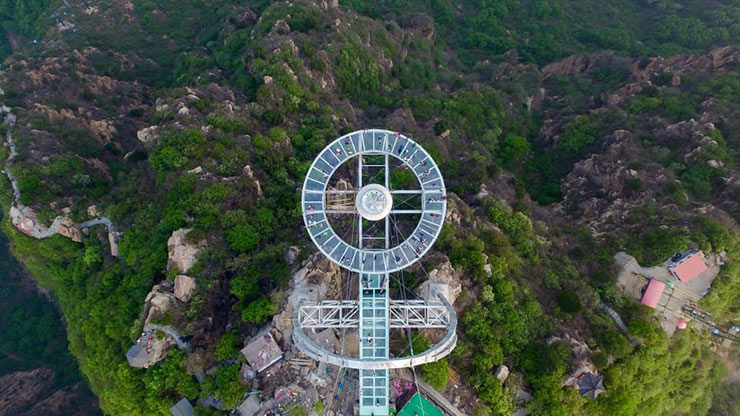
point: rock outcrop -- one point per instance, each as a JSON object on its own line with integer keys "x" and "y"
{"x": 184, "y": 287}
{"x": 69, "y": 229}
{"x": 148, "y": 134}
{"x": 443, "y": 279}
{"x": 572, "y": 65}
{"x": 158, "y": 302}
{"x": 318, "y": 278}
{"x": 181, "y": 254}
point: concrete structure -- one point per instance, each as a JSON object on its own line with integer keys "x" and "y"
{"x": 262, "y": 352}
{"x": 653, "y": 292}
{"x": 182, "y": 408}
{"x": 370, "y": 214}
{"x": 688, "y": 265}
{"x": 632, "y": 279}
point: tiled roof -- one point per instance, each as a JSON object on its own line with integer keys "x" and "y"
{"x": 652, "y": 294}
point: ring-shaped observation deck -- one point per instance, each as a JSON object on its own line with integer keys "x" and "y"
{"x": 431, "y": 213}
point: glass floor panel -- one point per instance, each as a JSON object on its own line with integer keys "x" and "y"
{"x": 374, "y": 323}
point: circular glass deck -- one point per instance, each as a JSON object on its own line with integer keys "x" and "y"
{"x": 374, "y": 212}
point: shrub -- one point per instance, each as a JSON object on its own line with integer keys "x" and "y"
{"x": 569, "y": 301}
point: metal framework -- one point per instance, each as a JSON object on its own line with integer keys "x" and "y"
{"x": 369, "y": 210}
{"x": 346, "y": 314}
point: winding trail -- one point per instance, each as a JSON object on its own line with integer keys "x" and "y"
{"x": 169, "y": 330}
{"x": 22, "y": 217}
{"x": 620, "y": 323}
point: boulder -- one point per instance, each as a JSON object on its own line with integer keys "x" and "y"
{"x": 281, "y": 27}
{"x": 522, "y": 396}
{"x": 180, "y": 254}
{"x": 148, "y": 134}
{"x": 69, "y": 229}
{"x": 291, "y": 254}
{"x": 488, "y": 269}
{"x": 184, "y": 286}
{"x": 715, "y": 164}
{"x": 501, "y": 373}
{"x": 92, "y": 211}
{"x": 250, "y": 174}
{"x": 443, "y": 279}
{"x": 158, "y": 302}
{"x": 482, "y": 193}
{"x": 104, "y": 129}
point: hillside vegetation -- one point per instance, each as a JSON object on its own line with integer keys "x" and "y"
{"x": 553, "y": 163}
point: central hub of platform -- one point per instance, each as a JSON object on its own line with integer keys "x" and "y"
{"x": 374, "y": 202}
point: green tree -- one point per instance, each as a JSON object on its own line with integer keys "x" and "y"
{"x": 436, "y": 374}
{"x": 227, "y": 347}
{"x": 569, "y": 301}
{"x": 244, "y": 286}
{"x": 259, "y": 310}
{"x": 242, "y": 238}
{"x": 227, "y": 385}
{"x": 616, "y": 344}
{"x": 514, "y": 150}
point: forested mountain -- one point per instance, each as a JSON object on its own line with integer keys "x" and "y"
{"x": 567, "y": 131}
{"x": 33, "y": 350}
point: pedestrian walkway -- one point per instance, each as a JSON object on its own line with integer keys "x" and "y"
{"x": 374, "y": 327}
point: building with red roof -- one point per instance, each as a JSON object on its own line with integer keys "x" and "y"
{"x": 688, "y": 266}
{"x": 652, "y": 294}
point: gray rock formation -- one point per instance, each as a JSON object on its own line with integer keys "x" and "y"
{"x": 148, "y": 134}
{"x": 69, "y": 229}
{"x": 184, "y": 287}
{"x": 501, "y": 373}
{"x": 180, "y": 254}
{"x": 158, "y": 302}
{"x": 444, "y": 279}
